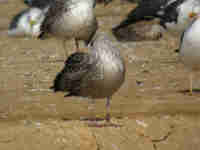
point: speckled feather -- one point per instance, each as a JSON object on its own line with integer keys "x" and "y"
{"x": 55, "y": 11}
{"x": 96, "y": 74}
{"x": 71, "y": 19}
{"x": 75, "y": 69}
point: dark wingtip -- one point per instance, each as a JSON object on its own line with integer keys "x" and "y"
{"x": 54, "y": 88}
{"x": 68, "y": 95}
{"x": 51, "y": 87}
{"x": 177, "y": 50}
{"x": 56, "y": 83}
{"x": 71, "y": 94}
{"x": 28, "y": 2}
{"x": 41, "y": 36}
{"x": 106, "y": 2}
{"x": 115, "y": 30}
{"x": 123, "y": 24}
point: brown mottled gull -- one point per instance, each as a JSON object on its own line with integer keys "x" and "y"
{"x": 71, "y": 19}
{"x": 96, "y": 74}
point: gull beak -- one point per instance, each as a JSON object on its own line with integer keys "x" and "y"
{"x": 192, "y": 15}
{"x": 32, "y": 23}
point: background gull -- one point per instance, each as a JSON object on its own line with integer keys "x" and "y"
{"x": 97, "y": 74}
{"x": 174, "y": 15}
{"x": 190, "y": 49}
{"x": 27, "y": 22}
{"x": 71, "y": 19}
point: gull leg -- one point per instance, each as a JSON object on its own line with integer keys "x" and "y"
{"x": 108, "y": 116}
{"x": 65, "y": 49}
{"x": 108, "y": 109}
{"x": 65, "y": 52}
{"x": 92, "y": 119}
{"x": 91, "y": 110}
{"x": 77, "y": 45}
{"x": 191, "y": 78}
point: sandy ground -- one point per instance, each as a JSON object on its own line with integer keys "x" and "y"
{"x": 152, "y": 109}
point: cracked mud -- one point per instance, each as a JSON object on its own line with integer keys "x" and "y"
{"x": 153, "y": 109}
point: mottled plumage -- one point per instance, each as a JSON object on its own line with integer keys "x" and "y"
{"x": 69, "y": 19}
{"x": 69, "y": 79}
{"x": 174, "y": 15}
{"x": 97, "y": 74}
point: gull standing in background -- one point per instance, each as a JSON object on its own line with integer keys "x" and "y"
{"x": 71, "y": 19}
{"x": 27, "y": 22}
{"x": 174, "y": 15}
{"x": 190, "y": 48}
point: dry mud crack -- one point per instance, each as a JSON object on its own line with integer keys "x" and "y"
{"x": 155, "y": 113}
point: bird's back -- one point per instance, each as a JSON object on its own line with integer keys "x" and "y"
{"x": 97, "y": 74}
{"x": 54, "y": 12}
{"x": 72, "y": 18}
{"x": 75, "y": 69}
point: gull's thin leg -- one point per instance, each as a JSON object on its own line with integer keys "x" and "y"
{"x": 77, "y": 45}
{"x": 65, "y": 49}
{"x": 191, "y": 78}
{"x": 108, "y": 109}
{"x": 91, "y": 110}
